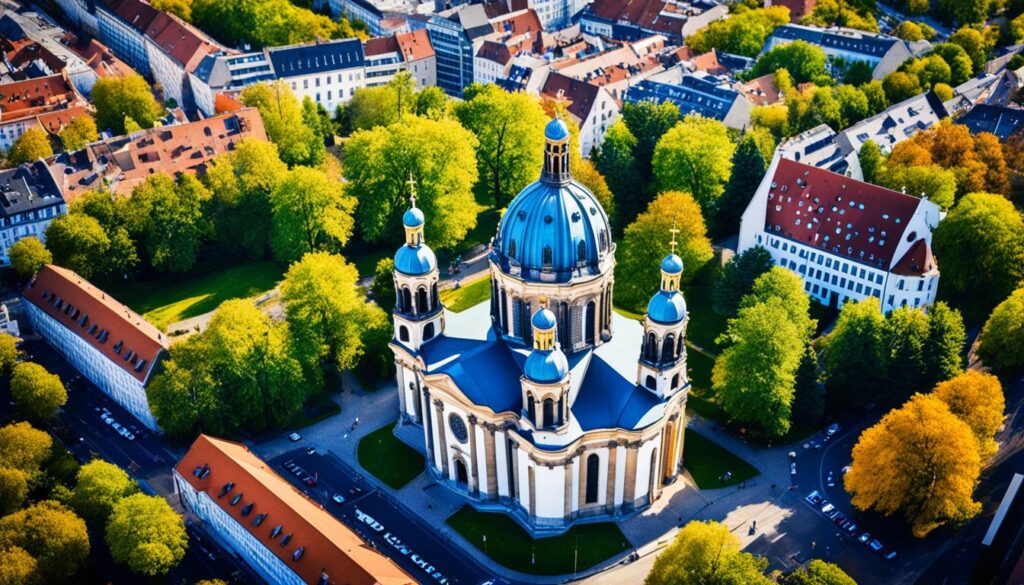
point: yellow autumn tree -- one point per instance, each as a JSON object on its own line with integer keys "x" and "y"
{"x": 920, "y": 460}
{"x": 977, "y": 399}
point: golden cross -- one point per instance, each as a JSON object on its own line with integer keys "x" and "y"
{"x": 412, "y": 190}
{"x": 543, "y": 301}
{"x": 674, "y": 231}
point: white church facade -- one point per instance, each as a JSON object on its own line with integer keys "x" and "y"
{"x": 544, "y": 402}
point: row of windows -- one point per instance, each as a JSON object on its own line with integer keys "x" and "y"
{"x": 828, "y": 262}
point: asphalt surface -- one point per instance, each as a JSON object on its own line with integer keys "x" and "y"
{"x": 394, "y": 531}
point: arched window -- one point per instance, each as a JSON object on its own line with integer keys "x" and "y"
{"x": 549, "y": 413}
{"x": 667, "y": 348}
{"x": 512, "y": 249}
{"x": 675, "y": 381}
{"x": 679, "y": 346}
{"x": 591, "y": 315}
{"x": 403, "y": 333}
{"x": 581, "y": 251}
{"x": 531, "y": 408}
{"x": 421, "y": 300}
{"x": 547, "y": 260}
{"x": 651, "y": 351}
{"x": 651, "y": 383}
{"x": 428, "y": 331}
{"x": 433, "y": 296}
{"x": 406, "y": 300}
{"x": 593, "y": 477}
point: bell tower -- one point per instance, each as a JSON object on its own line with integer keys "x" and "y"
{"x": 661, "y": 368}
{"x": 545, "y": 378}
{"x": 419, "y": 313}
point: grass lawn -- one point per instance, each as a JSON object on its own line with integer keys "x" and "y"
{"x": 510, "y": 545}
{"x": 388, "y": 459}
{"x": 700, "y": 367}
{"x": 461, "y": 298}
{"x": 170, "y": 300}
{"x": 707, "y": 462}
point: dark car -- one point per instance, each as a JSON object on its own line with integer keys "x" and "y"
{"x": 838, "y": 519}
{"x": 309, "y": 480}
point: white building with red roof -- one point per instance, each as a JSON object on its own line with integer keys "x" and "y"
{"x": 278, "y": 531}
{"x": 845, "y": 238}
{"x": 108, "y": 343}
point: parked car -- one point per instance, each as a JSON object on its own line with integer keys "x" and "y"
{"x": 864, "y": 538}
{"x": 828, "y": 509}
{"x": 890, "y": 555}
{"x": 311, "y": 451}
{"x": 814, "y": 498}
{"x": 338, "y": 499}
{"x": 839, "y": 518}
{"x": 850, "y": 528}
{"x": 294, "y": 437}
{"x": 309, "y": 480}
{"x": 117, "y": 426}
{"x": 832, "y": 429}
{"x": 875, "y": 545}
{"x": 831, "y": 481}
{"x": 846, "y": 470}
{"x": 128, "y": 435}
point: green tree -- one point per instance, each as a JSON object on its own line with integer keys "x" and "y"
{"x": 267, "y": 23}
{"x": 81, "y": 130}
{"x": 977, "y": 399}
{"x": 981, "y": 244}
{"x": 871, "y": 160}
{"x": 938, "y": 183}
{"x": 705, "y": 553}
{"x": 843, "y": 13}
{"x": 645, "y": 243}
{"x": 13, "y": 491}
{"x": 28, "y": 255}
{"x": 241, "y": 182}
{"x": 431, "y": 103}
{"x": 615, "y": 160}
{"x": 804, "y": 62}
{"x": 783, "y": 284}
{"x": 31, "y": 146}
{"x": 1001, "y": 343}
{"x": 742, "y": 34}
{"x": 146, "y": 534}
{"x": 900, "y": 85}
{"x": 755, "y": 377}
{"x": 438, "y": 154}
{"x": 943, "y": 357}
{"x": 909, "y": 31}
{"x": 16, "y": 566}
{"x": 920, "y": 460}
{"x": 52, "y": 535}
{"x": 854, "y": 356}
{"x": 8, "y": 353}
{"x": 318, "y": 132}
{"x": 817, "y": 572}
{"x": 875, "y": 92}
{"x": 973, "y": 43}
{"x": 961, "y": 11}
{"x": 695, "y": 156}
{"x": 172, "y": 224}
{"x": 99, "y": 487}
{"x": 181, "y": 8}
{"x": 748, "y": 168}
{"x": 382, "y": 291}
{"x": 118, "y": 98}
{"x": 1015, "y": 29}
{"x": 311, "y": 213}
{"x": 648, "y": 123}
{"x": 25, "y": 448}
{"x": 960, "y": 65}
{"x": 905, "y": 335}
{"x": 78, "y": 242}
{"x": 808, "y": 399}
{"x": 37, "y": 393}
{"x": 509, "y": 128}
{"x": 738, "y": 278}
{"x": 282, "y": 117}
{"x": 774, "y": 119}
{"x": 384, "y": 105}
{"x": 325, "y": 309}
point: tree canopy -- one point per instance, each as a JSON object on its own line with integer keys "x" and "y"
{"x": 99, "y": 486}
{"x": 52, "y": 535}
{"x": 695, "y": 156}
{"x": 977, "y": 399}
{"x": 382, "y": 291}
{"x": 783, "y": 284}
{"x": 1001, "y": 343}
{"x": 120, "y": 98}
{"x": 146, "y": 534}
{"x": 854, "y": 356}
{"x": 706, "y": 552}
{"x": 748, "y": 168}
{"x": 737, "y": 279}
{"x": 171, "y": 224}
{"x": 804, "y": 62}
{"x": 509, "y": 128}
{"x": 742, "y": 34}
{"x": 920, "y": 460}
{"x": 8, "y": 353}
{"x": 438, "y": 154}
{"x": 28, "y": 255}
{"x": 31, "y": 146}
{"x": 296, "y": 142}
{"x": 311, "y": 213}
{"x": 267, "y": 23}
{"x": 817, "y": 572}
{"x": 13, "y": 491}
{"x": 37, "y": 393}
{"x": 81, "y": 130}
{"x": 25, "y": 448}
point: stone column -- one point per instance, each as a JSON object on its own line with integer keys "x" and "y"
{"x": 427, "y": 431}
{"x": 474, "y": 477}
{"x": 613, "y": 455}
{"x": 402, "y": 389}
{"x": 567, "y": 490}
{"x": 629, "y": 489}
{"x": 442, "y": 455}
{"x": 492, "y": 461}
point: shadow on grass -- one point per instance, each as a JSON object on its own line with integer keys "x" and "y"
{"x": 389, "y": 459}
{"x": 708, "y": 463}
{"x": 505, "y": 542}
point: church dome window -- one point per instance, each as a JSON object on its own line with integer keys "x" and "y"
{"x": 458, "y": 428}
{"x": 512, "y": 249}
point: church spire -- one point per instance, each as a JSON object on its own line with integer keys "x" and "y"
{"x": 671, "y": 266}
{"x": 556, "y": 152}
{"x": 413, "y": 218}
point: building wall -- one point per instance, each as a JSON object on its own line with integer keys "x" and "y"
{"x": 169, "y": 74}
{"x": 11, "y": 131}
{"x": 125, "y": 389}
{"x": 602, "y": 115}
{"x": 230, "y": 533}
{"x": 127, "y": 44}
{"x": 354, "y": 11}
{"x": 556, "y": 14}
{"x": 23, "y": 225}
{"x": 329, "y": 89}
{"x": 78, "y": 13}
{"x": 454, "y": 54}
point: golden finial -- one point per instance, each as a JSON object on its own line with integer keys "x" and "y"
{"x": 543, "y": 301}
{"x": 674, "y": 231}
{"x": 412, "y": 190}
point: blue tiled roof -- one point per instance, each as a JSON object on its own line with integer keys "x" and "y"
{"x": 695, "y": 95}
{"x": 998, "y": 120}
{"x": 607, "y": 400}
{"x": 317, "y": 58}
{"x": 667, "y": 307}
{"x": 415, "y": 261}
{"x": 867, "y": 45}
{"x": 412, "y": 217}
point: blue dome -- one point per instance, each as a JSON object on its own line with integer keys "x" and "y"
{"x": 672, "y": 264}
{"x": 415, "y": 261}
{"x": 413, "y": 217}
{"x": 556, "y": 130}
{"x": 544, "y": 319}
{"x": 553, "y": 228}
{"x": 546, "y": 367}
{"x": 667, "y": 307}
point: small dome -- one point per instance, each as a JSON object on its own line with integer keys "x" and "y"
{"x": 546, "y": 367}
{"x": 556, "y": 130}
{"x": 667, "y": 307}
{"x": 415, "y": 261}
{"x": 544, "y": 319}
{"x": 413, "y": 217}
{"x": 672, "y": 264}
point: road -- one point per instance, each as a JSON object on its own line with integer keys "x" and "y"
{"x": 386, "y": 524}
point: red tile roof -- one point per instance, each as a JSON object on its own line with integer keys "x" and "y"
{"x": 916, "y": 261}
{"x": 180, "y": 41}
{"x": 646, "y": 14}
{"x": 329, "y": 548}
{"x": 136, "y": 13}
{"x": 496, "y": 52}
{"x": 380, "y": 45}
{"x": 20, "y": 53}
{"x": 760, "y": 91}
{"x": 837, "y": 214}
{"x": 101, "y": 59}
{"x": 708, "y": 62}
{"x": 415, "y": 45}
{"x": 54, "y": 122}
{"x": 32, "y": 97}
{"x": 580, "y": 94}
{"x": 119, "y": 333}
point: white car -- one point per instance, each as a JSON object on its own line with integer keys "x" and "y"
{"x": 832, "y": 429}
{"x": 338, "y": 499}
{"x": 294, "y": 437}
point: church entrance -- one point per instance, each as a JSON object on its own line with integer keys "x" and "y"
{"x": 461, "y": 476}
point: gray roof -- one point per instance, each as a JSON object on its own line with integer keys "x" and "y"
{"x": 869, "y": 45}
{"x": 894, "y": 125}
{"x": 28, "y": 187}
{"x": 317, "y": 58}
{"x": 998, "y": 120}
{"x": 695, "y": 94}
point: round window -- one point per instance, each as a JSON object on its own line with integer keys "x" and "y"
{"x": 458, "y": 428}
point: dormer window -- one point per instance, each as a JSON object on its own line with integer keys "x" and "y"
{"x": 276, "y": 530}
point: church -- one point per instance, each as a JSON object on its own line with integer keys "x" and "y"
{"x": 544, "y": 402}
